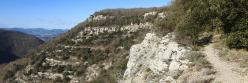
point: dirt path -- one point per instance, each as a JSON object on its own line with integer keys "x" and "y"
{"x": 225, "y": 71}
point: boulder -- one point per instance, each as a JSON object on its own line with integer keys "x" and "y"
{"x": 162, "y": 56}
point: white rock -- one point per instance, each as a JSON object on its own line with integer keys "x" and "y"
{"x": 50, "y": 75}
{"x": 156, "y": 56}
{"x": 158, "y": 66}
{"x": 174, "y": 65}
{"x": 161, "y": 15}
{"x": 184, "y": 61}
{"x": 183, "y": 67}
{"x": 169, "y": 79}
{"x": 90, "y": 31}
{"x": 99, "y": 17}
{"x": 150, "y": 14}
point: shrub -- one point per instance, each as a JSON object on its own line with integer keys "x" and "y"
{"x": 237, "y": 39}
{"x": 194, "y": 17}
{"x": 198, "y": 60}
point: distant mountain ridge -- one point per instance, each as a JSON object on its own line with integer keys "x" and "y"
{"x": 44, "y": 34}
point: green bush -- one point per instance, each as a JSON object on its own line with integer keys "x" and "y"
{"x": 194, "y": 17}
{"x": 237, "y": 39}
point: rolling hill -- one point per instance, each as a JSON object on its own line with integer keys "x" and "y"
{"x": 16, "y": 44}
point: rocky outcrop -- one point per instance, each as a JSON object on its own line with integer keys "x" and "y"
{"x": 150, "y": 14}
{"x": 154, "y": 13}
{"x": 94, "y": 31}
{"x": 98, "y": 17}
{"x": 156, "y": 60}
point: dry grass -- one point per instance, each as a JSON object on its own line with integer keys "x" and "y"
{"x": 198, "y": 60}
{"x": 8, "y": 70}
{"x": 201, "y": 71}
{"x": 234, "y": 55}
{"x": 196, "y": 75}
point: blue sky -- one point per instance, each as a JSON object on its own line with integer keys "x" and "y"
{"x": 60, "y": 14}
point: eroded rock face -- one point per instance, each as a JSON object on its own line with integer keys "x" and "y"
{"x": 98, "y": 17}
{"x": 94, "y": 31}
{"x": 161, "y": 57}
{"x": 160, "y": 15}
{"x": 150, "y": 14}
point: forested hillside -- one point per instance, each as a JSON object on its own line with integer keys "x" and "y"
{"x": 14, "y": 45}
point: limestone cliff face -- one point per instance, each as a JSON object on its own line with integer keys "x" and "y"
{"x": 156, "y": 59}
{"x": 95, "y": 31}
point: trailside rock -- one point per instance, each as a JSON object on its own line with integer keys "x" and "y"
{"x": 160, "y": 59}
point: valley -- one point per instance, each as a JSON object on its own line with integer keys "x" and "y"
{"x": 14, "y": 45}
{"x": 43, "y": 34}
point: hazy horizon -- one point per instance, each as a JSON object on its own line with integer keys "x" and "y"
{"x": 61, "y": 14}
